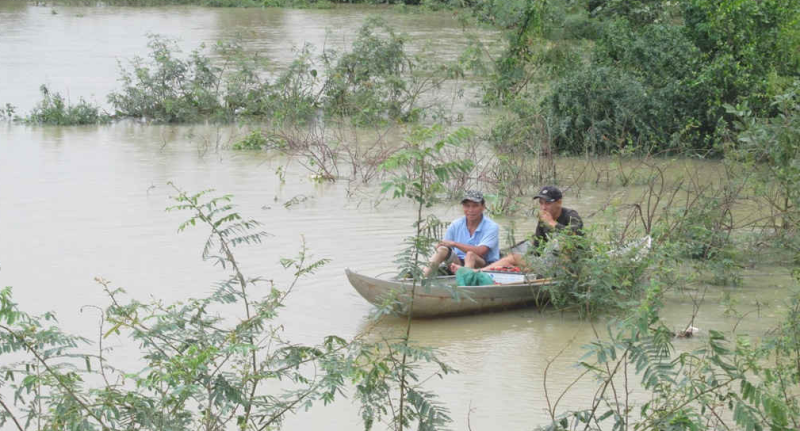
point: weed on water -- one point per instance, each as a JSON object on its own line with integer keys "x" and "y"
{"x": 55, "y": 110}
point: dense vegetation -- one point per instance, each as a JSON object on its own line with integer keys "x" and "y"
{"x": 653, "y": 76}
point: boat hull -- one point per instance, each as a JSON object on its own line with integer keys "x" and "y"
{"x": 443, "y": 298}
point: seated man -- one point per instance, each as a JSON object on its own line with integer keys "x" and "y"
{"x": 553, "y": 217}
{"x": 472, "y": 241}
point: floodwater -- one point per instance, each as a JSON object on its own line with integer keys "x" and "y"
{"x": 83, "y": 202}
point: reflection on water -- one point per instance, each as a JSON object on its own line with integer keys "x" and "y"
{"x": 80, "y": 202}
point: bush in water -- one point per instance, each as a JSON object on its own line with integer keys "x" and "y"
{"x": 595, "y": 275}
{"x": 378, "y": 80}
{"x": 728, "y": 382}
{"x": 254, "y": 141}
{"x": 54, "y": 110}
{"x": 170, "y": 89}
{"x": 8, "y": 111}
{"x": 771, "y": 149}
{"x": 375, "y": 82}
{"x": 209, "y": 363}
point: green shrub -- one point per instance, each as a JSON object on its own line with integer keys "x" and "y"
{"x": 254, "y": 141}
{"x": 579, "y": 26}
{"x": 368, "y": 82}
{"x": 54, "y": 110}
{"x": 683, "y": 62}
{"x": 770, "y": 149}
{"x": 8, "y": 111}
{"x": 747, "y": 382}
{"x": 594, "y": 277}
{"x": 374, "y": 82}
{"x": 170, "y": 89}
{"x": 639, "y": 12}
{"x": 601, "y": 110}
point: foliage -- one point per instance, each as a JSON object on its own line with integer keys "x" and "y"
{"x": 420, "y": 180}
{"x": 704, "y": 234}
{"x": 378, "y": 80}
{"x": 54, "y": 110}
{"x": 376, "y": 384}
{"x": 169, "y": 89}
{"x": 771, "y": 148}
{"x": 422, "y": 177}
{"x": 7, "y": 112}
{"x": 528, "y": 55}
{"x": 210, "y": 363}
{"x": 745, "y": 43}
{"x": 291, "y": 98}
{"x": 595, "y": 275}
{"x": 151, "y": 3}
{"x": 638, "y": 12}
{"x": 172, "y": 89}
{"x": 254, "y": 141}
{"x": 522, "y": 146}
{"x": 375, "y": 82}
{"x": 659, "y": 75}
{"x": 733, "y": 382}
{"x": 311, "y": 4}
{"x": 600, "y": 110}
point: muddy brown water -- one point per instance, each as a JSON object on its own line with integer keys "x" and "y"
{"x": 82, "y": 202}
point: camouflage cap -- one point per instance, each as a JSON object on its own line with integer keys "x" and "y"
{"x": 472, "y": 195}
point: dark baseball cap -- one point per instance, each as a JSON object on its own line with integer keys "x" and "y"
{"x": 549, "y": 194}
{"x": 472, "y": 195}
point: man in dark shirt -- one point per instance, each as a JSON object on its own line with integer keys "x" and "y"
{"x": 553, "y": 217}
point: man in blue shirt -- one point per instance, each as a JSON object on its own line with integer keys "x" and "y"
{"x": 472, "y": 241}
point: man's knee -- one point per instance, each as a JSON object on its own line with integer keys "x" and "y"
{"x": 474, "y": 259}
{"x": 441, "y": 255}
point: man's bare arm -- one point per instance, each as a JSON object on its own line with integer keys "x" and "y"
{"x": 480, "y": 250}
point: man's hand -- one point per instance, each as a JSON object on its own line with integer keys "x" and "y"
{"x": 547, "y": 218}
{"x": 446, "y": 243}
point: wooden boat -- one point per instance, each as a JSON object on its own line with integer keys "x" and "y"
{"x": 441, "y": 297}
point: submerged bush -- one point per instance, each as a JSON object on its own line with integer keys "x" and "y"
{"x": 170, "y": 89}
{"x": 596, "y": 275}
{"x": 770, "y": 148}
{"x": 55, "y": 110}
{"x": 8, "y": 111}
{"x": 254, "y": 141}
{"x": 376, "y": 81}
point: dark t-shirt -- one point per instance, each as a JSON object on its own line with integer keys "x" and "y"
{"x": 569, "y": 219}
